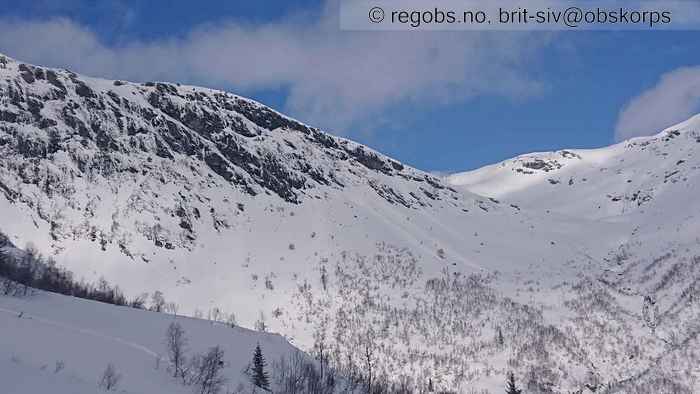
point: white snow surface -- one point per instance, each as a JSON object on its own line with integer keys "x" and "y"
{"x": 42, "y": 330}
{"x": 558, "y": 250}
{"x": 645, "y": 174}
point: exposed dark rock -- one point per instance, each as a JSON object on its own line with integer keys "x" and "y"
{"x": 82, "y": 90}
{"x": 570, "y": 155}
{"x": 7, "y": 116}
{"x": 162, "y": 150}
{"x": 239, "y": 127}
{"x": 53, "y": 80}
{"x": 369, "y": 159}
{"x": 164, "y": 134}
{"x": 396, "y": 165}
{"x": 262, "y": 116}
{"x": 429, "y": 194}
{"x": 218, "y": 165}
{"x": 39, "y": 73}
{"x": 542, "y": 165}
{"x": 388, "y": 193}
{"x": 45, "y": 123}
{"x": 237, "y": 154}
{"x": 34, "y": 106}
{"x": 324, "y": 139}
{"x": 536, "y": 164}
{"x": 276, "y": 178}
{"x": 26, "y": 73}
{"x": 434, "y": 182}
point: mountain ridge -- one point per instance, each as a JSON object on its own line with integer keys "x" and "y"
{"x": 649, "y": 165}
{"x": 222, "y": 203}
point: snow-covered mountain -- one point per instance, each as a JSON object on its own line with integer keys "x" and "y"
{"x": 642, "y": 176}
{"x": 573, "y": 269}
{"x": 649, "y": 186}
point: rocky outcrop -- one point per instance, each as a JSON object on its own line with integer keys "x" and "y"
{"x": 61, "y": 132}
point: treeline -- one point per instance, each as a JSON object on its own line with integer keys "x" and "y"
{"x": 292, "y": 374}
{"x": 20, "y": 271}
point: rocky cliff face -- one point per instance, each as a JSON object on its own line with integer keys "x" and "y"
{"x": 66, "y": 140}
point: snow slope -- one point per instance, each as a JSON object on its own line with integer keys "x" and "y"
{"x": 175, "y": 188}
{"x": 43, "y": 330}
{"x": 219, "y": 201}
{"x": 646, "y": 174}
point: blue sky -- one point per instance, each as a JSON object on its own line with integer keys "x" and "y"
{"x": 490, "y": 97}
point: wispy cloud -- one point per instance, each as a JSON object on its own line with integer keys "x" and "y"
{"x": 333, "y": 79}
{"x": 673, "y": 99}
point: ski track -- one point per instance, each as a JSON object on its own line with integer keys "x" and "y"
{"x": 93, "y": 333}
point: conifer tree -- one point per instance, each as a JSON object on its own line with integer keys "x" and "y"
{"x": 499, "y": 336}
{"x": 511, "y": 388}
{"x": 260, "y": 377}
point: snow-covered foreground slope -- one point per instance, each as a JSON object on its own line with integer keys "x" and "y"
{"x": 221, "y": 202}
{"x": 57, "y": 344}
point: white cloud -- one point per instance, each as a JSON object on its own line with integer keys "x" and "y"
{"x": 335, "y": 79}
{"x": 675, "y": 98}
